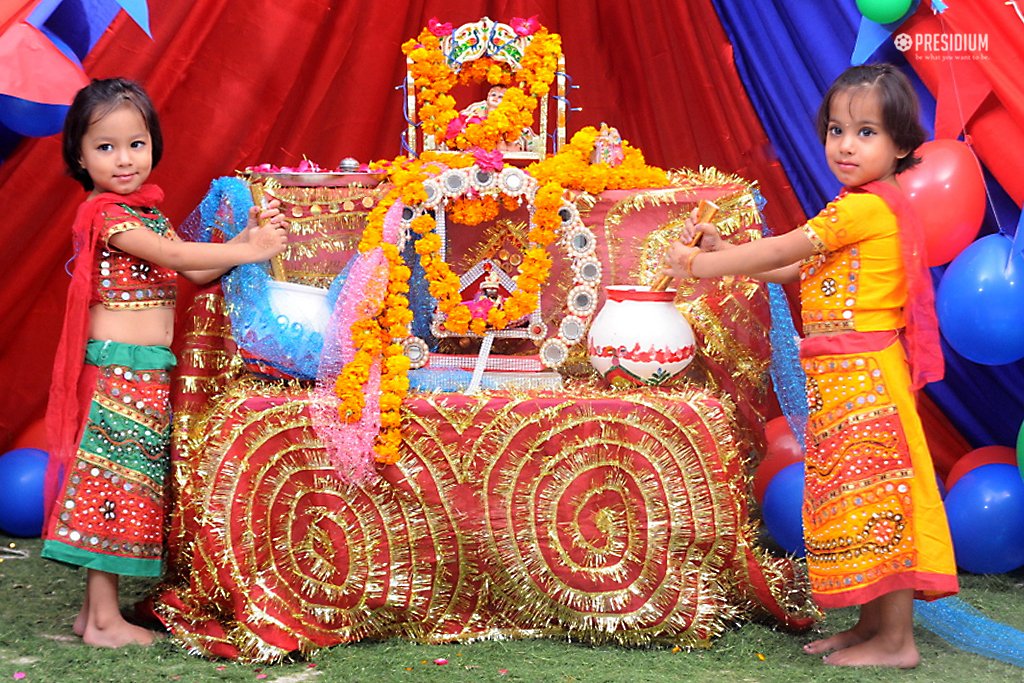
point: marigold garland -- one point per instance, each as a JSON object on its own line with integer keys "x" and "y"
{"x": 377, "y": 335}
{"x": 477, "y": 210}
{"x": 445, "y": 286}
{"x": 484, "y": 69}
{"x": 572, "y": 169}
{"x": 433, "y": 80}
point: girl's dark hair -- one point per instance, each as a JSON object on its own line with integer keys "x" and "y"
{"x": 96, "y": 100}
{"x": 901, "y": 113}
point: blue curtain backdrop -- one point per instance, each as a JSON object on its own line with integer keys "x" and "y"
{"x": 787, "y": 54}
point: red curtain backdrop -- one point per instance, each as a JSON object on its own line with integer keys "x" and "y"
{"x": 261, "y": 81}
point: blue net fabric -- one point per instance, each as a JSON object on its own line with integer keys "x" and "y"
{"x": 966, "y": 628}
{"x": 325, "y": 226}
{"x": 787, "y": 374}
{"x": 262, "y": 330}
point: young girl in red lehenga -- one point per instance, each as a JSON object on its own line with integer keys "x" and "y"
{"x": 108, "y": 418}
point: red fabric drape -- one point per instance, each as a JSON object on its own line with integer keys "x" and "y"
{"x": 262, "y": 81}
{"x": 945, "y": 443}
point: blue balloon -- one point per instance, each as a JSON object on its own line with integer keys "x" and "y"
{"x": 60, "y": 45}
{"x": 9, "y": 140}
{"x": 782, "y": 508}
{"x": 32, "y": 119}
{"x": 985, "y": 508}
{"x": 77, "y": 25}
{"x": 22, "y": 472}
{"x": 980, "y": 302}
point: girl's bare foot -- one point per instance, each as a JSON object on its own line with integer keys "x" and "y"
{"x": 865, "y": 629}
{"x": 839, "y": 641}
{"x": 82, "y": 617}
{"x": 886, "y": 632}
{"x": 877, "y": 651}
{"x": 80, "y": 621}
{"x": 105, "y": 626}
{"x": 117, "y": 634}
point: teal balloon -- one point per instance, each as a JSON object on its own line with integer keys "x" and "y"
{"x": 884, "y": 11}
{"x": 1020, "y": 449}
{"x": 980, "y": 302}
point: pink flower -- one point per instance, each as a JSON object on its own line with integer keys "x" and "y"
{"x": 438, "y": 29}
{"x": 525, "y": 27}
{"x": 441, "y": 661}
{"x": 455, "y": 126}
{"x": 479, "y": 308}
{"x": 307, "y": 166}
{"x": 264, "y": 168}
{"x": 489, "y": 161}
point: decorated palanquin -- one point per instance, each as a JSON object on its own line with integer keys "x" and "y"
{"x": 496, "y": 54}
{"x": 571, "y": 509}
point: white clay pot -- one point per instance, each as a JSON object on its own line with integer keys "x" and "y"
{"x": 639, "y": 337}
{"x": 301, "y": 304}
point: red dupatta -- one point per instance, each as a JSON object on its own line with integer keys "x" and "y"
{"x": 64, "y": 412}
{"x": 921, "y": 336}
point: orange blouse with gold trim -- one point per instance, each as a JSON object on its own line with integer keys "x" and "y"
{"x": 854, "y": 236}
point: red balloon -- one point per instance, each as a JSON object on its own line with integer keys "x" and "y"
{"x": 947, "y": 189}
{"x": 775, "y": 428}
{"x": 783, "y": 450}
{"x": 33, "y": 436}
{"x": 986, "y": 455}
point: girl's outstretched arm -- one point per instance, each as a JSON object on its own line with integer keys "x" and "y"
{"x": 711, "y": 240}
{"x": 201, "y": 277}
{"x": 201, "y": 262}
{"x": 769, "y": 258}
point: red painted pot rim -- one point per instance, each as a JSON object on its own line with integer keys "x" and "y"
{"x": 637, "y": 293}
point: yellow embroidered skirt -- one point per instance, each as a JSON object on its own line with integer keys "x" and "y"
{"x": 873, "y": 518}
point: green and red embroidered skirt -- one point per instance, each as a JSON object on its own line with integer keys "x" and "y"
{"x": 109, "y": 515}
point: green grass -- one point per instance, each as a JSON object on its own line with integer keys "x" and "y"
{"x": 38, "y": 600}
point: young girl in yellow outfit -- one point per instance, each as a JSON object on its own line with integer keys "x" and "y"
{"x": 875, "y": 528}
